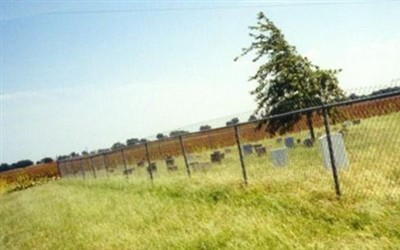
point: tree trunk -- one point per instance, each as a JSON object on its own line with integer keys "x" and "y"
{"x": 310, "y": 125}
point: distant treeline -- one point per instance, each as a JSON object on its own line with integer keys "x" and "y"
{"x": 378, "y": 92}
{"x": 23, "y": 164}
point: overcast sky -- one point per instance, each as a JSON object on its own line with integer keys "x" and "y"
{"x": 83, "y": 75}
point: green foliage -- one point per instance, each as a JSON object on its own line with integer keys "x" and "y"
{"x": 233, "y": 121}
{"x": 205, "y": 127}
{"x": 132, "y": 141}
{"x": 160, "y": 136}
{"x": 286, "y": 80}
{"x": 117, "y": 145}
{"x": 177, "y": 133}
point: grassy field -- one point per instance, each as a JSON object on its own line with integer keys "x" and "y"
{"x": 284, "y": 208}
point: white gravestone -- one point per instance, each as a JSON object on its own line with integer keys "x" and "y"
{"x": 279, "y": 157}
{"x": 339, "y": 151}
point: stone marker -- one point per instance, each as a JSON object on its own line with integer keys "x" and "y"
{"x": 261, "y": 151}
{"x": 339, "y": 151}
{"x": 216, "y": 157}
{"x": 171, "y": 164}
{"x": 289, "y": 142}
{"x": 308, "y": 143}
{"x": 247, "y": 149}
{"x": 152, "y": 167}
{"x": 356, "y": 122}
{"x": 170, "y": 161}
{"x": 279, "y": 157}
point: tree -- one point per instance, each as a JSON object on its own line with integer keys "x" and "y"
{"x": 286, "y": 80}
{"x": 143, "y": 140}
{"x": 46, "y": 160}
{"x": 73, "y": 154}
{"x": 84, "y": 153}
{"x": 252, "y": 118}
{"x": 22, "y": 164}
{"x": 4, "y": 167}
{"x": 178, "y": 133}
{"x": 160, "y": 136}
{"x": 132, "y": 142}
{"x": 117, "y": 145}
{"x": 205, "y": 127}
{"x": 62, "y": 157}
{"x": 233, "y": 121}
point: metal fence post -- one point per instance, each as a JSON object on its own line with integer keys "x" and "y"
{"x": 124, "y": 162}
{"x": 148, "y": 162}
{"x": 159, "y": 149}
{"x": 82, "y": 169}
{"x": 105, "y": 164}
{"x": 241, "y": 155}
{"x": 331, "y": 152}
{"x": 72, "y": 167}
{"x": 59, "y": 169}
{"x": 92, "y": 166}
{"x": 66, "y": 170}
{"x": 184, "y": 156}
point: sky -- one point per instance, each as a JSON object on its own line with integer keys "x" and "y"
{"x": 81, "y": 75}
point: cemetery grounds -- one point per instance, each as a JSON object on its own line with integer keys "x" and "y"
{"x": 288, "y": 207}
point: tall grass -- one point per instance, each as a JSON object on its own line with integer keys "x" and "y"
{"x": 285, "y": 208}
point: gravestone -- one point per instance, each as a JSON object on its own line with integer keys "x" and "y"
{"x": 308, "y": 143}
{"x": 289, "y": 142}
{"x": 247, "y": 149}
{"x": 170, "y": 161}
{"x": 216, "y": 157}
{"x": 279, "y": 140}
{"x": 339, "y": 151}
{"x": 356, "y": 122}
{"x": 261, "y": 151}
{"x": 152, "y": 167}
{"x": 171, "y": 164}
{"x": 279, "y": 157}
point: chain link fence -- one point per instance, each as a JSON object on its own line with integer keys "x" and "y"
{"x": 349, "y": 147}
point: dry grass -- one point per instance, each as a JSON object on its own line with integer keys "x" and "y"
{"x": 285, "y": 208}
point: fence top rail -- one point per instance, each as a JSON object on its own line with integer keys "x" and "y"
{"x": 294, "y": 112}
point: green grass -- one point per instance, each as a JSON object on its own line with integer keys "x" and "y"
{"x": 292, "y": 207}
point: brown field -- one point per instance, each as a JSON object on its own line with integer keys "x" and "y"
{"x": 33, "y": 172}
